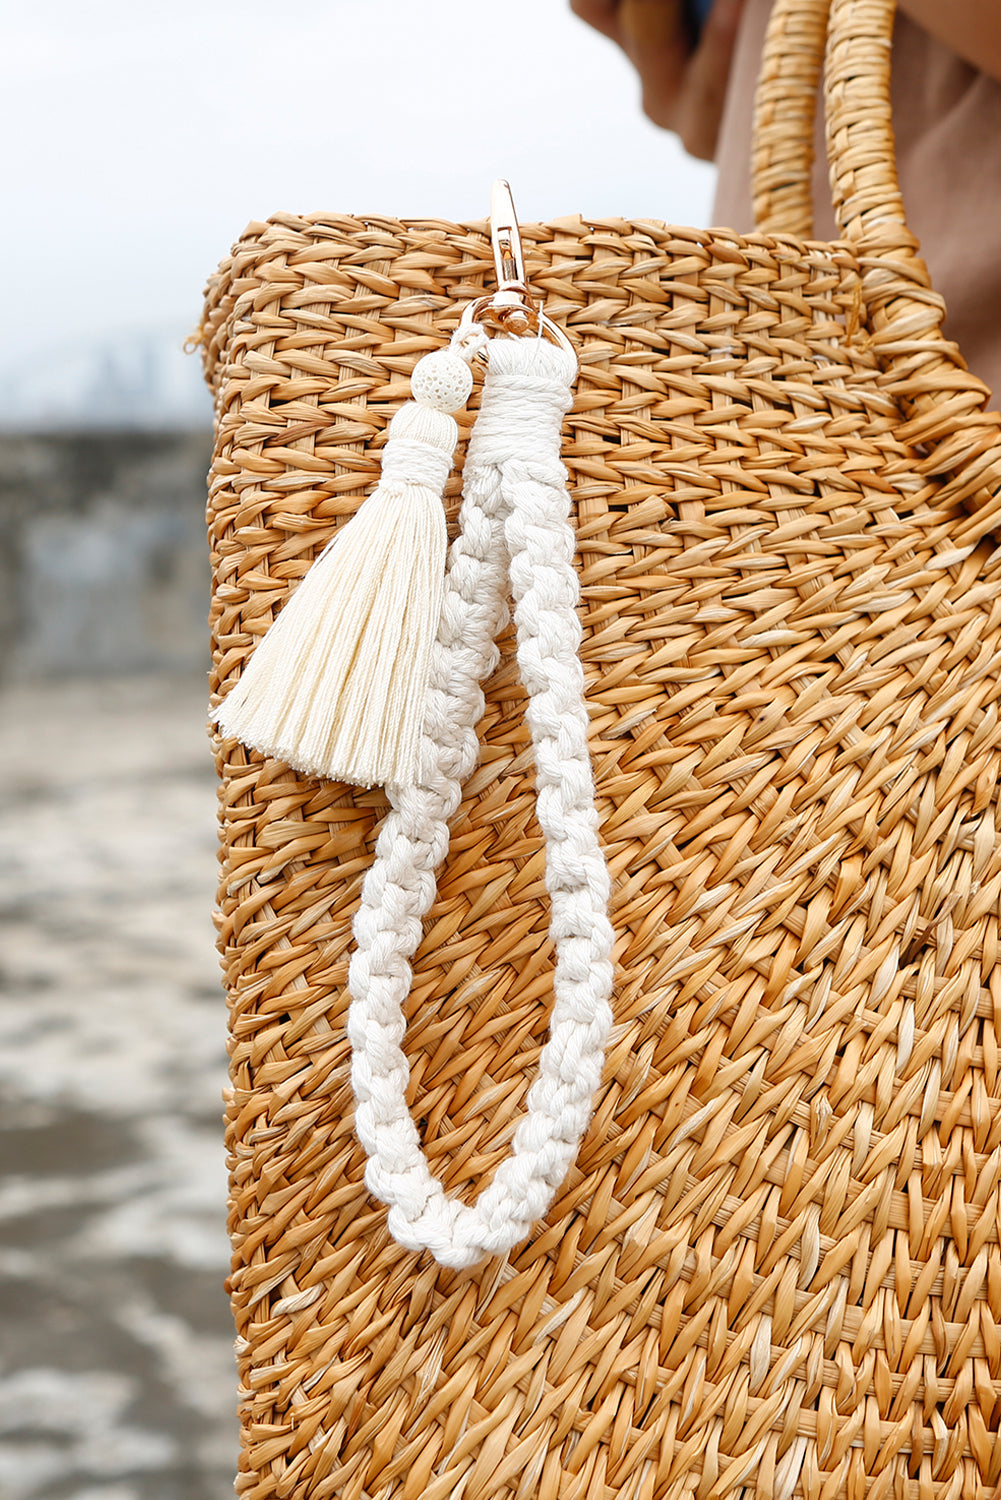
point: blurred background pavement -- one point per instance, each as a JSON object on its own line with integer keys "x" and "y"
{"x": 116, "y": 1370}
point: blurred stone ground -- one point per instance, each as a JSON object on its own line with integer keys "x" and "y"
{"x": 116, "y": 1368}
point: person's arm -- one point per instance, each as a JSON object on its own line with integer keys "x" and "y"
{"x": 970, "y": 28}
{"x": 683, "y": 90}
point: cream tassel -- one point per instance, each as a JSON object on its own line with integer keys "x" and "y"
{"x": 338, "y": 685}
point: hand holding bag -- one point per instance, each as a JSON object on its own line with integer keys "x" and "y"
{"x": 773, "y": 1268}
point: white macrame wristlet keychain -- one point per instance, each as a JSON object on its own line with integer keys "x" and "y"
{"x": 372, "y": 673}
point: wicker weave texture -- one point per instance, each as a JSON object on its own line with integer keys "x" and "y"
{"x": 775, "y": 1270}
{"x": 777, "y": 1263}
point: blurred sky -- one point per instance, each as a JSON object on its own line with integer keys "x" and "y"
{"x": 140, "y": 142}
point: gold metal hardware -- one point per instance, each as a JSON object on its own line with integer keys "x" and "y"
{"x": 511, "y": 308}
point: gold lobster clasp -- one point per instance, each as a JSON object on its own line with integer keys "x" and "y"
{"x": 511, "y": 308}
{"x": 509, "y": 263}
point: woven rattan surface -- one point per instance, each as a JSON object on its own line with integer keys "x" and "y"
{"x": 775, "y": 1269}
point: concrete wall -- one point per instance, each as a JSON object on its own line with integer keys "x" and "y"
{"x": 103, "y": 560}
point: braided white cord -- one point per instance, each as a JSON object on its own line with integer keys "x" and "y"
{"x": 515, "y": 505}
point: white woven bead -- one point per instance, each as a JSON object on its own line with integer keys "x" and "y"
{"x": 441, "y": 380}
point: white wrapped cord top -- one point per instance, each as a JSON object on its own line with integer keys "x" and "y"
{"x": 514, "y": 523}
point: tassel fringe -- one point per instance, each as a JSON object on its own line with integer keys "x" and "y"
{"x": 337, "y": 687}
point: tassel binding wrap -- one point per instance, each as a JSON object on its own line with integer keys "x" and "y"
{"x": 514, "y": 522}
{"x": 337, "y": 686}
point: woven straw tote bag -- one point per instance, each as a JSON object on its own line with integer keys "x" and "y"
{"x": 774, "y": 1268}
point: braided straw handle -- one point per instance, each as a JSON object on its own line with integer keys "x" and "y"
{"x": 785, "y": 112}
{"x": 860, "y": 144}
{"x": 945, "y": 404}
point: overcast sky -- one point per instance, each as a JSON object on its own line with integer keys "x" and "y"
{"x": 140, "y": 141}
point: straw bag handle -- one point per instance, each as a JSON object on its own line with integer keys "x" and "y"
{"x": 860, "y": 145}
{"x": 904, "y": 316}
{"x": 785, "y": 112}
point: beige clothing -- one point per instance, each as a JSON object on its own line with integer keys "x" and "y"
{"x": 947, "y": 118}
